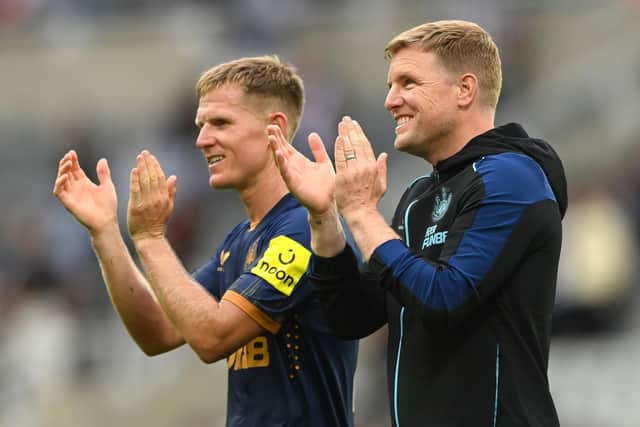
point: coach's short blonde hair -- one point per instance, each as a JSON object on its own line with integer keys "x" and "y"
{"x": 266, "y": 78}
{"x": 462, "y": 47}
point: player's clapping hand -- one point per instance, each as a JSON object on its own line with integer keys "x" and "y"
{"x": 94, "y": 206}
{"x": 312, "y": 183}
{"x": 151, "y": 198}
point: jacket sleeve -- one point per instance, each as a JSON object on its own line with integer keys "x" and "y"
{"x": 509, "y": 209}
{"x": 350, "y": 294}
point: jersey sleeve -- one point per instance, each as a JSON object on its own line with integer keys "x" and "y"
{"x": 206, "y": 277}
{"x": 276, "y": 283}
{"x": 506, "y": 206}
{"x": 352, "y": 300}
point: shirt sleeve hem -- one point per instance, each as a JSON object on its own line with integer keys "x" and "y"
{"x": 334, "y": 267}
{"x": 252, "y": 311}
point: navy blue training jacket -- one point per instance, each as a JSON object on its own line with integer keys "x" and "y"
{"x": 468, "y": 291}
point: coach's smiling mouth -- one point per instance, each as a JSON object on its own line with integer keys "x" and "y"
{"x": 214, "y": 159}
{"x": 401, "y": 121}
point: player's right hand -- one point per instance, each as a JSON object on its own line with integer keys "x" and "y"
{"x": 94, "y": 206}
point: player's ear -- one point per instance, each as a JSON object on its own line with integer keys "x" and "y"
{"x": 280, "y": 119}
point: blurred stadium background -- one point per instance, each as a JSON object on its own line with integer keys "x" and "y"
{"x": 110, "y": 78}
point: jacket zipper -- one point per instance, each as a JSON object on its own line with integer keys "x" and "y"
{"x": 397, "y": 371}
{"x": 396, "y": 416}
{"x": 436, "y": 175}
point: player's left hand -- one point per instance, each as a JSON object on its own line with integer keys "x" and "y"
{"x": 311, "y": 182}
{"x": 151, "y": 198}
{"x": 361, "y": 179}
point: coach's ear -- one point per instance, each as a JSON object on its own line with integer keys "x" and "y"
{"x": 467, "y": 89}
{"x": 280, "y": 119}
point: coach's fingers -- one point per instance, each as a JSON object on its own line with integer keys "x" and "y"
{"x": 347, "y": 149}
{"x": 172, "y": 182}
{"x": 156, "y": 168}
{"x": 338, "y": 154}
{"x": 134, "y": 187}
{"x": 381, "y": 164}
{"x": 150, "y": 169}
{"x": 142, "y": 173}
{"x": 361, "y": 143}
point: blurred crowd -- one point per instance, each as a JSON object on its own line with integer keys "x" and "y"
{"x": 109, "y": 79}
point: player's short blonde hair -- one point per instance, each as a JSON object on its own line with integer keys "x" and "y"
{"x": 264, "y": 77}
{"x": 462, "y": 47}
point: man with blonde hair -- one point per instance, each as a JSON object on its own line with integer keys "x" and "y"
{"x": 251, "y": 303}
{"x": 465, "y": 276}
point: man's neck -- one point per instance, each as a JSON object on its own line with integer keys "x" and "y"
{"x": 464, "y": 133}
{"x": 259, "y": 199}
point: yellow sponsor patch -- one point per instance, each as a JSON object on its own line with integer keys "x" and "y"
{"x": 283, "y": 264}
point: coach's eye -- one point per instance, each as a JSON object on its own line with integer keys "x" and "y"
{"x": 220, "y": 122}
{"x": 409, "y": 83}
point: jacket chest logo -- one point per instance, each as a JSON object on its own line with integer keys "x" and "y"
{"x": 432, "y": 237}
{"x": 441, "y": 204}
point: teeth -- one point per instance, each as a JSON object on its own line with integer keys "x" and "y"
{"x": 402, "y": 120}
{"x": 215, "y": 159}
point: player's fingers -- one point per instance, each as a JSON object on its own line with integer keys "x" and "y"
{"x": 281, "y": 160}
{"x": 278, "y": 141}
{"x": 103, "y": 171}
{"x": 60, "y": 185}
{"x": 273, "y": 140}
{"x": 64, "y": 159}
{"x": 76, "y": 170}
{"x": 64, "y": 166}
{"x": 318, "y": 150}
{"x": 62, "y": 178}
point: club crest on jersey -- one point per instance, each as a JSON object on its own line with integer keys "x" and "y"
{"x": 441, "y": 204}
{"x": 251, "y": 254}
{"x": 283, "y": 264}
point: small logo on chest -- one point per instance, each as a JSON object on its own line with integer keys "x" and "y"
{"x": 441, "y": 204}
{"x": 432, "y": 238}
{"x": 251, "y": 255}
